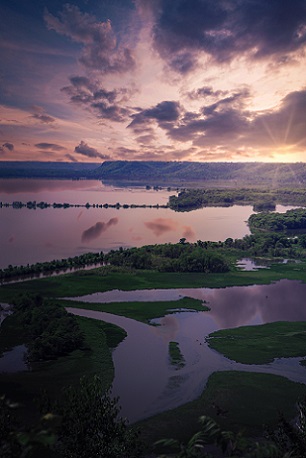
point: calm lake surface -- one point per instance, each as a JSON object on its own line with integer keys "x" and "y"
{"x": 29, "y": 236}
{"x": 147, "y": 382}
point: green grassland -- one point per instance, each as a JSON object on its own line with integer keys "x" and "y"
{"x": 238, "y": 401}
{"x": 95, "y": 280}
{"x": 140, "y": 311}
{"x": 261, "y": 344}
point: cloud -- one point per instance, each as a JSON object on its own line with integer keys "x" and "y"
{"x": 88, "y": 151}
{"x": 6, "y": 147}
{"x": 106, "y": 104}
{"x": 40, "y": 115}
{"x": 70, "y": 157}
{"x": 226, "y": 29}
{"x": 228, "y": 122}
{"x": 47, "y": 146}
{"x": 161, "y": 225}
{"x": 205, "y": 91}
{"x": 95, "y": 231}
{"x": 164, "y": 112}
{"x": 101, "y": 49}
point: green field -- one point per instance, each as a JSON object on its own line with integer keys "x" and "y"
{"x": 261, "y": 344}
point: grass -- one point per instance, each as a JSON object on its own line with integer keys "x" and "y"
{"x": 261, "y": 344}
{"x": 176, "y": 358}
{"x": 140, "y": 311}
{"x": 238, "y": 401}
{"x": 87, "y": 282}
{"x": 95, "y": 358}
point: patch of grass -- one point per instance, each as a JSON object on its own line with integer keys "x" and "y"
{"x": 176, "y": 357}
{"x": 87, "y": 282}
{"x": 141, "y": 311}
{"x": 261, "y": 344}
{"x": 238, "y": 401}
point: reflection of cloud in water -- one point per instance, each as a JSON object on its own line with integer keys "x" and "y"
{"x": 237, "y": 306}
{"x": 188, "y": 232}
{"x": 95, "y": 231}
{"x": 168, "y": 328}
{"x": 161, "y": 225}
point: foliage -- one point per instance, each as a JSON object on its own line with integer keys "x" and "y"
{"x": 47, "y": 329}
{"x": 83, "y": 423}
{"x": 262, "y": 343}
{"x": 261, "y": 199}
{"x": 179, "y": 257}
{"x": 287, "y": 441}
{"x": 51, "y": 266}
{"x": 291, "y": 220}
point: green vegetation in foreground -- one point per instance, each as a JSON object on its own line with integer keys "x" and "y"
{"x": 176, "y": 358}
{"x": 238, "y": 401}
{"x": 141, "y": 311}
{"x": 52, "y": 376}
{"x": 261, "y": 344}
{"x": 87, "y": 282}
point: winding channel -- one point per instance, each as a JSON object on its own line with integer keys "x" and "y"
{"x": 145, "y": 380}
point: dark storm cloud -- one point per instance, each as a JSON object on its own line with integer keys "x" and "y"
{"x": 95, "y": 231}
{"x": 88, "y": 151}
{"x": 163, "y": 113}
{"x": 226, "y": 29}
{"x": 287, "y": 125}
{"x": 106, "y": 104}
{"x": 52, "y": 146}
{"x": 101, "y": 50}
{"x": 228, "y": 122}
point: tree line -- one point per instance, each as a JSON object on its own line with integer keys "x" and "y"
{"x": 33, "y": 205}
{"x": 291, "y": 220}
{"x": 261, "y": 199}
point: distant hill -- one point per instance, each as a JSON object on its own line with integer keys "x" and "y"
{"x": 192, "y": 174}
{"x": 229, "y": 174}
{"x": 37, "y": 169}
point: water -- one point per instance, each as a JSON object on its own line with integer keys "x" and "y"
{"x": 30, "y": 236}
{"x": 144, "y": 379}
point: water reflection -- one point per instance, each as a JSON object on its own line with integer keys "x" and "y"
{"x": 229, "y": 307}
{"x": 144, "y": 378}
{"x": 97, "y": 229}
{"x": 161, "y": 225}
{"x": 14, "y": 360}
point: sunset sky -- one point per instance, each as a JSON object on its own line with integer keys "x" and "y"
{"x": 194, "y": 80}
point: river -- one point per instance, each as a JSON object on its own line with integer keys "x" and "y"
{"x": 29, "y": 236}
{"x": 146, "y": 381}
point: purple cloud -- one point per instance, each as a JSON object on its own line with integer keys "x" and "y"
{"x": 101, "y": 50}
{"x": 97, "y": 229}
{"x": 88, "y": 151}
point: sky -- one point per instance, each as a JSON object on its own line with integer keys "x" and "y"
{"x": 153, "y": 80}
